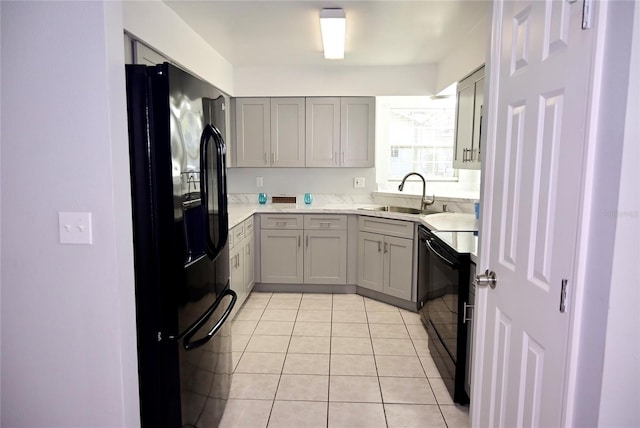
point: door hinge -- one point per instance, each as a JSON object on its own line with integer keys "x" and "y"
{"x": 586, "y": 14}
{"x": 563, "y": 295}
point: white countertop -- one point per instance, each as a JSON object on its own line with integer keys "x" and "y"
{"x": 442, "y": 221}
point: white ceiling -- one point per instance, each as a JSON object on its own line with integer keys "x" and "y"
{"x": 287, "y": 33}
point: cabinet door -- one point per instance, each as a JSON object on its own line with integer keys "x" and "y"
{"x": 357, "y": 132}
{"x": 236, "y": 276}
{"x": 464, "y": 123}
{"x": 287, "y": 132}
{"x": 478, "y": 107}
{"x": 325, "y": 257}
{"x": 370, "y": 261}
{"x": 281, "y": 256}
{"x": 398, "y": 263}
{"x": 248, "y": 273}
{"x": 468, "y": 121}
{"x": 253, "y": 131}
{"x": 322, "y": 132}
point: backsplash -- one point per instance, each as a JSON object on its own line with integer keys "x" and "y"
{"x": 318, "y": 199}
{"x": 455, "y": 205}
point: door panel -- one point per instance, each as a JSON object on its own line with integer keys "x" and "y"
{"x": 539, "y": 98}
{"x": 325, "y": 259}
{"x": 370, "y": 261}
{"x": 287, "y": 132}
{"x": 322, "y": 132}
{"x": 398, "y": 254}
{"x": 281, "y": 256}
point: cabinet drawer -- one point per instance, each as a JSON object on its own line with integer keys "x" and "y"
{"x": 323, "y": 221}
{"x": 282, "y": 221}
{"x": 401, "y": 229}
{"x": 248, "y": 226}
{"x": 238, "y": 233}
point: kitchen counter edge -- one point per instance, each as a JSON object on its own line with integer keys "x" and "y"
{"x": 441, "y": 221}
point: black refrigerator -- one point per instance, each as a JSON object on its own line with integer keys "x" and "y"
{"x": 181, "y": 253}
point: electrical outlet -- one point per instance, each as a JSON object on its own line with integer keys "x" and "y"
{"x": 259, "y": 182}
{"x": 358, "y": 182}
{"x": 75, "y": 228}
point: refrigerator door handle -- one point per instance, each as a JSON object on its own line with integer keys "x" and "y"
{"x": 211, "y": 133}
{"x": 190, "y": 345}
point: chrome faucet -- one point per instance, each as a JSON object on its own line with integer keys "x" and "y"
{"x": 425, "y": 202}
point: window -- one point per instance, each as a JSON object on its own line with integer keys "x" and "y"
{"x": 415, "y": 134}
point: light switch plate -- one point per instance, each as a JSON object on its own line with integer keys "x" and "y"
{"x": 259, "y": 182}
{"x": 358, "y": 182}
{"x": 75, "y": 228}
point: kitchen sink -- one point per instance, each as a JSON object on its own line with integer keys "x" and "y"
{"x": 403, "y": 210}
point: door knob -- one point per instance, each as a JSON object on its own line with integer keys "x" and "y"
{"x": 487, "y": 278}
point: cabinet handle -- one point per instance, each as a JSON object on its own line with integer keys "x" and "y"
{"x": 379, "y": 246}
{"x": 480, "y": 132}
{"x": 386, "y": 250}
{"x": 307, "y": 241}
{"x": 298, "y": 241}
{"x": 266, "y": 161}
{"x": 238, "y": 256}
{"x": 325, "y": 224}
{"x": 273, "y": 158}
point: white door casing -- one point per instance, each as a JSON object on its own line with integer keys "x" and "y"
{"x": 539, "y": 74}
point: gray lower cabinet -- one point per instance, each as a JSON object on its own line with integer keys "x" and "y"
{"x": 241, "y": 261}
{"x": 309, "y": 249}
{"x": 385, "y": 261}
{"x": 281, "y": 256}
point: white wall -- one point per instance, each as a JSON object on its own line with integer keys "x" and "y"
{"x": 68, "y": 335}
{"x": 161, "y": 28}
{"x": 296, "y": 181}
{"x": 335, "y": 81}
{"x": 603, "y": 389}
{"x": 468, "y": 55}
{"x": 621, "y": 372}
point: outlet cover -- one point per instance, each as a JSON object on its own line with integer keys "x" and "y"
{"x": 259, "y": 182}
{"x": 75, "y": 228}
{"x": 358, "y": 182}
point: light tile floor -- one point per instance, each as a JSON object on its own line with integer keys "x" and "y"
{"x": 341, "y": 360}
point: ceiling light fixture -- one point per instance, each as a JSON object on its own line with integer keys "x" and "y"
{"x": 332, "y": 27}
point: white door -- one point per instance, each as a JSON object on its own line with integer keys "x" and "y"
{"x": 539, "y": 73}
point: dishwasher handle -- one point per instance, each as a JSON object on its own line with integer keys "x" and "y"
{"x": 451, "y": 264}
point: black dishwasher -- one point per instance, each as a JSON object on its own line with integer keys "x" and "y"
{"x": 443, "y": 291}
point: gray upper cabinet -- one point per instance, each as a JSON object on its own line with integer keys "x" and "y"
{"x": 468, "y": 128}
{"x": 357, "y": 130}
{"x": 298, "y": 132}
{"x": 340, "y": 131}
{"x": 143, "y": 54}
{"x": 323, "y": 131}
{"x": 253, "y": 132}
{"x": 287, "y": 132}
{"x": 269, "y": 132}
